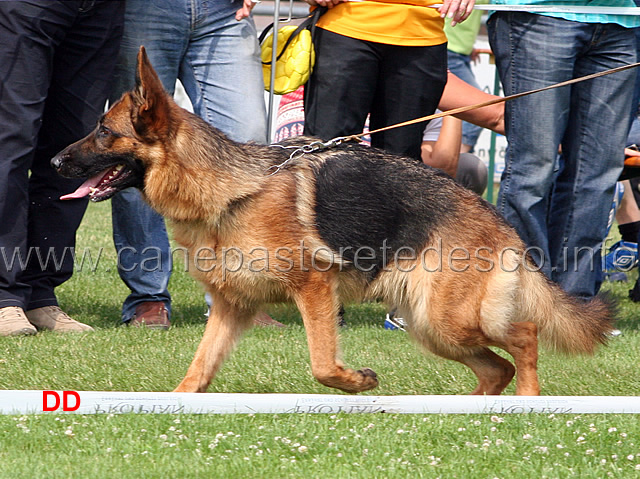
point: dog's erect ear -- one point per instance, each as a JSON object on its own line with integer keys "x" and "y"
{"x": 151, "y": 101}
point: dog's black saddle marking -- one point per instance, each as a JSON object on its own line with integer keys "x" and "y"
{"x": 369, "y": 204}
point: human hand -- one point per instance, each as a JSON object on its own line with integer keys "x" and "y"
{"x": 631, "y": 151}
{"x": 245, "y": 11}
{"x": 325, "y": 3}
{"x": 456, "y": 10}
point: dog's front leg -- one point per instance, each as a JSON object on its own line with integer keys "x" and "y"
{"x": 225, "y": 325}
{"x": 319, "y": 306}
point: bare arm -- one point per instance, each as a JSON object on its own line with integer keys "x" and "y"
{"x": 458, "y": 93}
{"x": 445, "y": 151}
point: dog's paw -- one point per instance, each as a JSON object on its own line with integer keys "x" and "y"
{"x": 369, "y": 379}
{"x": 370, "y": 373}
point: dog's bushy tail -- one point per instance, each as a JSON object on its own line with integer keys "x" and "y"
{"x": 565, "y": 324}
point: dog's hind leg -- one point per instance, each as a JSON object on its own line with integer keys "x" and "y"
{"x": 494, "y": 373}
{"x": 319, "y": 307}
{"x": 224, "y": 327}
{"x": 521, "y": 342}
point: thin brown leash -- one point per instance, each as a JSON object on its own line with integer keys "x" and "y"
{"x": 490, "y": 102}
{"x": 298, "y": 151}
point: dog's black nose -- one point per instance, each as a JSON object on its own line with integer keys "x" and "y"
{"x": 56, "y": 161}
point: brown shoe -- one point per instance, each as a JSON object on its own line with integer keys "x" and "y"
{"x": 13, "y": 322}
{"x": 263, "y": 319}
{"x": 52, "y": 318}
{"x": 152, "y": 315}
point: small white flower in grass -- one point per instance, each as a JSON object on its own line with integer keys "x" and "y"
{"x": 589, "y": 452}
{"x": 497, "y": 419}
{"x": 559, "y": 446}
{"x": 580, "y": 439}
{"x": 603, "y": 461}
{"x": 612, "y": 429}
{"x": 339, "y": 454}
{"x": 637, "y": 467}
{"x": 303, "y": 449}
{"x": 569, "y": 423}
{"x": 631, "y": 457}
{"x": 499, "y": 442}
{"x": 526, "y": 437}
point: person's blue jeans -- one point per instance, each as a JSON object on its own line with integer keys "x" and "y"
{"x": 561, "y": 207}
{"x": 216, "y": 58}
{"x": 460, "y": 66}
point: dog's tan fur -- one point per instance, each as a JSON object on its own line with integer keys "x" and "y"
{"x": 219, "y": 194}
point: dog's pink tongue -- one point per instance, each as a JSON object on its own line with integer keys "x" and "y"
{"x": 84, "y": 189}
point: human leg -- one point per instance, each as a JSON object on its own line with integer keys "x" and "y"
{"x": 139, "y": 233}
{"x": 472, "y": 173}
{"x": 410, "y": 83}
{"x": 222, "y": 72}
{"x": 63, "y": 50}
{"x": 592, "y": 158}
{"x": 340, "y": 92}
{"x": 20, "y": 113}
{"x": 534, "y": 124}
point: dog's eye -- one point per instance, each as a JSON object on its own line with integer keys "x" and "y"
{"x": 103, "y": 131}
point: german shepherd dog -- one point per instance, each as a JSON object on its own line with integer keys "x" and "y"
{"x": 325, "y": 227}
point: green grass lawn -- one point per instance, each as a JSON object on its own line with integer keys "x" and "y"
{"x": 276, "y": 360}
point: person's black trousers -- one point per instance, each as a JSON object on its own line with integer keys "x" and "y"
{"x": 353, "y": 78}
{"x": 57, "y": 60}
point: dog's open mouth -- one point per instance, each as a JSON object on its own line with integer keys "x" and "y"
{"x": 103, "y": 185}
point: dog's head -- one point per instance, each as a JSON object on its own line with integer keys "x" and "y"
{"x": 126, "y": 141}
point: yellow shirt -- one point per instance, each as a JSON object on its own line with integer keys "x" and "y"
{"x": 411, "y": 23}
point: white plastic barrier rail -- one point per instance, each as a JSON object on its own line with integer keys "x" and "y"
{"x": 114, "y": 402}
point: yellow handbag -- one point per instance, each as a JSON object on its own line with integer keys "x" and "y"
{"x": 296, "y": 55}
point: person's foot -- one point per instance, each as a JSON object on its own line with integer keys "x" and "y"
{"x": 394, "y": 322}
{"x": 52, "y": 318}
{"x": 13, "y": 322}
{"x": 622, "y": 257}
{"x": 152, "y": 315}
